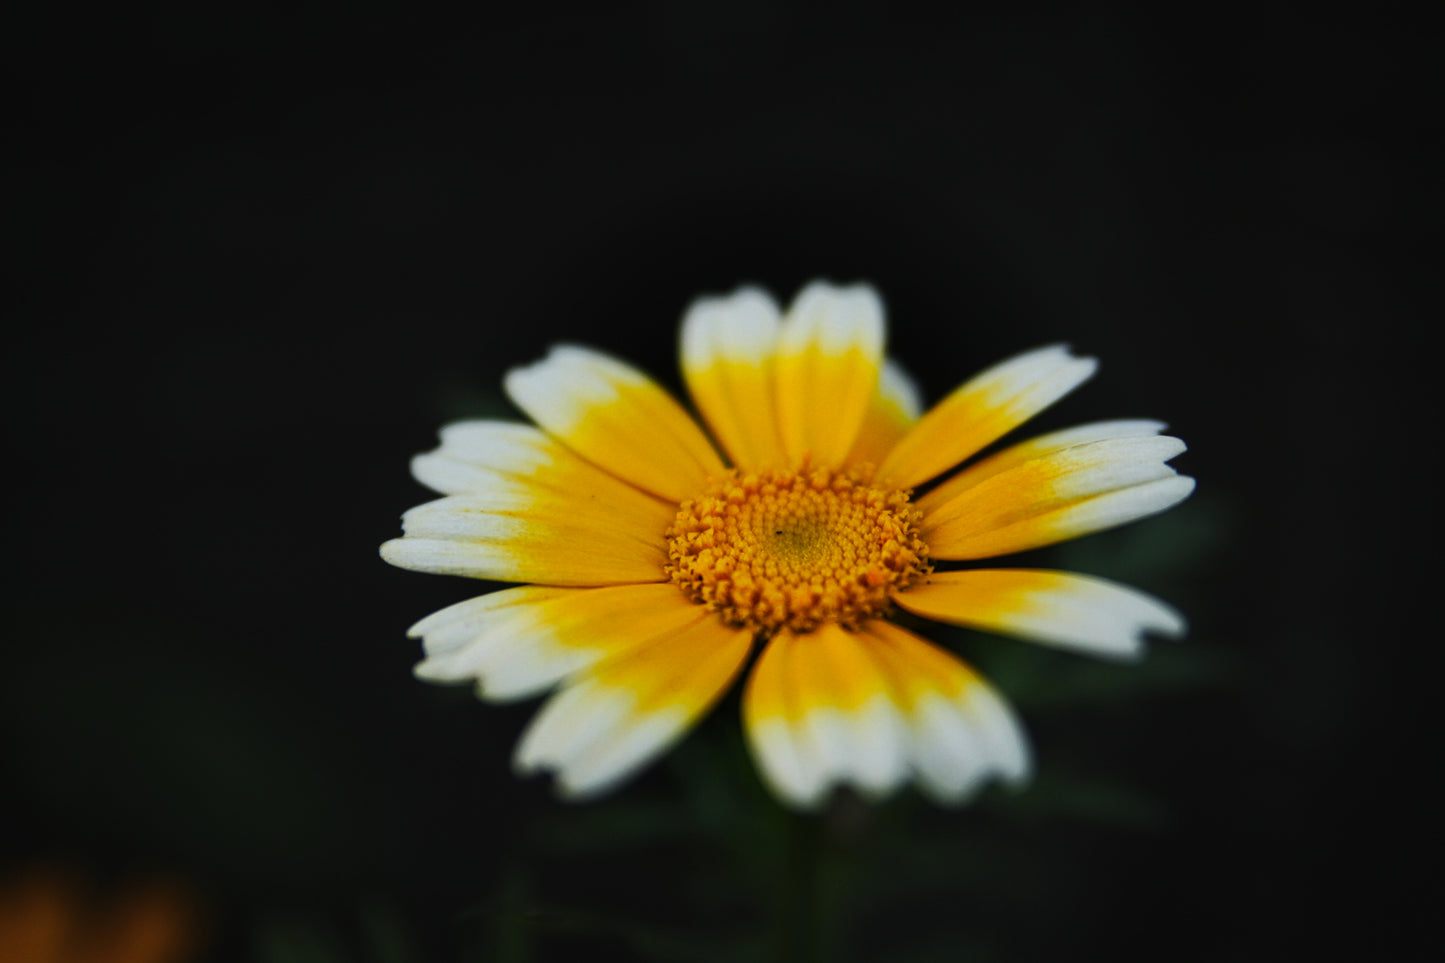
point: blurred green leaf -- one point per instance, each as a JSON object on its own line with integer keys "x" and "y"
{"x": 281, "y": 939}
{"x": 1055, "y": 795}
{"x": 1036, "y": 678}
{"x": 618, "y": 823}
{"x": 642, "y": 941}
{"x": 1187, "y": 538}
{"x": 512, "y": 915}
{"x": 184, "y": 754}
{"x": 386, "y": 934}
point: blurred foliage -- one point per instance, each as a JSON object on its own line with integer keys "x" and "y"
{"x": 255, "y": 282}
{"x": 189, "y": 757}
{"x": 198, "y": 755}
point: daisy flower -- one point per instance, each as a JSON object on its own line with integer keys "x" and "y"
{"x": 660, "y": 556}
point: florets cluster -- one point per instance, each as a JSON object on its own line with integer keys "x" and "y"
{"x": 796, "y": 549}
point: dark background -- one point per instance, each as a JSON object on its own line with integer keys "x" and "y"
{"x": 258, "y": 260}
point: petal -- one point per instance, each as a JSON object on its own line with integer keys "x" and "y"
{"x": 483, "y": 456}
{"x": 624, "y": 712}
{"x": 961, "y": 731}
{"x": 517, "y": 642}
{"x": 478, "y": 455}
{"x": 819, "y": 712}
{"x": 1056, "y": 608}
{"x": 770, "y": 715}
{"x": 873, "y": 708}
{"x": 1036, "y": 448}
{"x": 728, "y": 346}
{"x": 1063, "y": 494}
{"x": 616, "y": 417}
{"x": 983, "y": 410}
{"x": 532, "y": 535}
{"x": 830, "y": 350}
{"x": 891, "y": 414}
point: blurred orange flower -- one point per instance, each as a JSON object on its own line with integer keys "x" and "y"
{"x": 49, "y": 914}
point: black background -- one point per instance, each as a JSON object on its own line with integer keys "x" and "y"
{"x": 261, "y": 258}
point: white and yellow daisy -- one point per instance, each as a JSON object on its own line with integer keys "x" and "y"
{"x": 660, "y": 556}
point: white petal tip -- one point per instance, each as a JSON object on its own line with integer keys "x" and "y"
{"x": 802, "y": 801}
{"x": 1171, "y": 633}
{"x": 740, "y": 327}
{"x": 838, "y": 317}
{"x": 572, "y": 789}
{"x": 1162, "y": 494}
{"x": 428, "y": 672}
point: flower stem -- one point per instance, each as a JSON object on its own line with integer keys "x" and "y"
{"x": 800, "y": 909}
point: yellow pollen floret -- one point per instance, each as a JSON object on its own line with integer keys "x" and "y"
{"x": 796, "y": 549}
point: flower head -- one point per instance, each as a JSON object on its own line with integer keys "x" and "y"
{"x": 660, "y": 557}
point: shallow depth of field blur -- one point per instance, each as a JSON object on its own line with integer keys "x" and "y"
{"x": 262, "y": 261}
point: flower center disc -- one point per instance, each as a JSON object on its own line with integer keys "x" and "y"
{"x": 796, "y": 549}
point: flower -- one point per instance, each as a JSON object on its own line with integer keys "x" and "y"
{"x": 51, "y": 914}
{"x": 659, "y": 563}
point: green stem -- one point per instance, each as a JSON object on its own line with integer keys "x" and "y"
{"x": 800, "y": 909}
